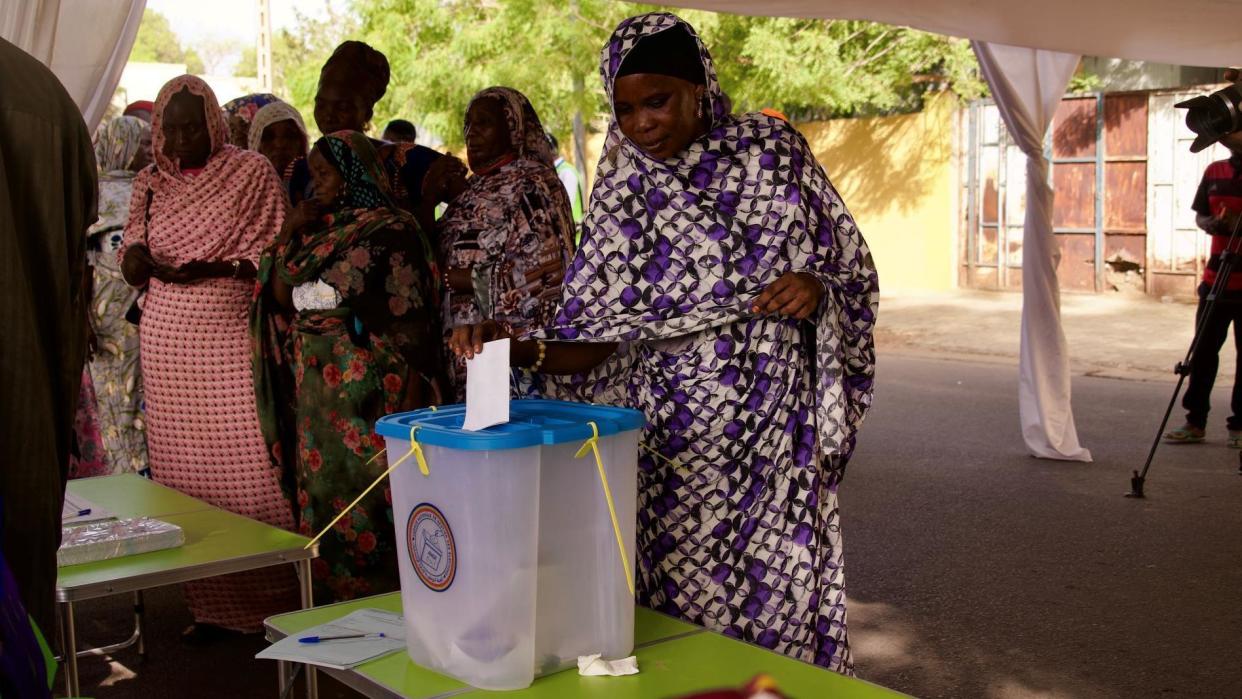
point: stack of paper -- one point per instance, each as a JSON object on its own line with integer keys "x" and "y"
{"x": 346, "y": 653}
{"x": 77, "y": 510}
{"x": 97, "y": 541}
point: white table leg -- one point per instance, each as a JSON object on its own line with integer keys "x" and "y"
{"x": 308, "y": 601}
{"x": 71, "y": 650}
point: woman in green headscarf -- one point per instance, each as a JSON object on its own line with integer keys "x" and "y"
{"x": 346, "y": 325}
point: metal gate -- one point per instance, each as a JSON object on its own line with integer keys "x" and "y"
{"x": 1123, "y": 179}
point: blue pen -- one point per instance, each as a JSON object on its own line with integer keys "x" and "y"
{"x": 320, "y": 639}
{"x": 83, "y": 513}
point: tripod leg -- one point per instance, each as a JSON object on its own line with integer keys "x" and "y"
{"x": 1137, "y": 480}
{"x": 1223, "y": 273}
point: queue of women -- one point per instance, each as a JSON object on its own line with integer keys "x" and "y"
{"x": 280, "y": 296}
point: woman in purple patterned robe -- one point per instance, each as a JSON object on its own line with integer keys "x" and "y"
{"x": 723, "y": 289}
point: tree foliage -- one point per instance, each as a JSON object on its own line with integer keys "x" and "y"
{"x": 443, "y": 51}
{"x": 216, "y": 51}
{"x": 298, "y": 54}
{"x": 833, "y": 68}
{"x": 156, "y": 42}
{"x": 248, "y": 64}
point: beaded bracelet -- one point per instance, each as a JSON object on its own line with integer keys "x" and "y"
{"x": 543, "y": 354}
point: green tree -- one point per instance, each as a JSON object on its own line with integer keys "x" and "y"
{"x": 248, "y": 64}
{"x": 833, "y": 68}
{"x": 215, "y": 51}
{"x": 298, "y": 54}
{"x": 443, "y": 51}
{"x": 156, "y": 42}
{"x": 194, "y": 63}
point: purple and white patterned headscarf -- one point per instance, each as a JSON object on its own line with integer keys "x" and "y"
{"x": 672, "y": 247}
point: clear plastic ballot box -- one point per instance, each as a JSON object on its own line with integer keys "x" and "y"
{"x": 511, "y": 566}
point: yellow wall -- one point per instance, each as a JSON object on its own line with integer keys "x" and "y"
{"x": 897, "y": 177}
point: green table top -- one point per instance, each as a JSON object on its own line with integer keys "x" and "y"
{"x": 134, "y": 496}
{"x": 698, "y": 663}
{"x": 674, "y": 658}
{"x": 216, "y": 542}
{"x": 393, "y": 672}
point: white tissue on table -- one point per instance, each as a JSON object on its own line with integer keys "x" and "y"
{"x": 487, "y": 387}
{"x": 596, "y": 666}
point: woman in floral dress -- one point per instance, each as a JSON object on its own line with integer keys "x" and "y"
{"x": 122, "y": 148}
{"x": 347, "y": 328}
{"x": 723, "y": 289}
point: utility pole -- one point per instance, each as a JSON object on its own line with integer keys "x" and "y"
{"x": 263, "y": 49}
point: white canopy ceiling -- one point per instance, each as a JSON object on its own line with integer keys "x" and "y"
{"x": 86, "y": 43}
{"x": 1182, "y": 32}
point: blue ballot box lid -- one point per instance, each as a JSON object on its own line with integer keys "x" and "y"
{"x": 532, "y": 422}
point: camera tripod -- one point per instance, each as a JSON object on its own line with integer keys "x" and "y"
{"x": 1228, "y": 258}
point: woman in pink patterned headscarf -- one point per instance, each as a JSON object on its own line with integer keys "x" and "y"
{"x": 198, "y": 223}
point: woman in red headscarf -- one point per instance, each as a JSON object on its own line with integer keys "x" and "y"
{"x": 198, "y": 223}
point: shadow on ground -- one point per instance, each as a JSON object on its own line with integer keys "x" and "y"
{"x": 976, "y": 571}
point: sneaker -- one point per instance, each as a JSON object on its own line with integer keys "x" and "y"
{"x": 1235, "y": 439}
{"x": 1189, "y": 434}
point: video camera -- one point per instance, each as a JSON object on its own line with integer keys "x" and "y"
{"x": 1214, "y": 116}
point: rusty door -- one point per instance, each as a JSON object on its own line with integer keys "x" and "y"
{"x": 1075, "y": 152}
{"x": 1097, "y": 148}
{"x": 1124, "y": 262}
{"x": 1099, "y": 172}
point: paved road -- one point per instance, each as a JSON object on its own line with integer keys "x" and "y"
{"x": 974, "y": 570}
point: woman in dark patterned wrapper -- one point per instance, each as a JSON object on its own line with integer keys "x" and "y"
{"x": 723, "y": 289}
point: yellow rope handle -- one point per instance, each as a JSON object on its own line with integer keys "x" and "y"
{"x": 592, "y": 445}
{"x": 655, "y": 454}
{"x": 416, "y": 450}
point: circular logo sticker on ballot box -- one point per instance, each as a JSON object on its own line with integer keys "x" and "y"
{"x": 429, "y": 541}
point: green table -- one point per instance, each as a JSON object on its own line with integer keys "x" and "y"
{"x": 217, "y": 542}
{"x": 674, "y": 658}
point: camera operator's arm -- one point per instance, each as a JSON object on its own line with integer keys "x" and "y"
{"x": 1217, "y": 225}
{"x": 1212, "y": 214}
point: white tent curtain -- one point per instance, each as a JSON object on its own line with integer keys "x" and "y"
{"x": 1027, "y": 85}
{"x": 86, "y": 43}
{"x": 1181, "y": 32}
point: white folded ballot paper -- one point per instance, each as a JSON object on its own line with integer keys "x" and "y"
{"x": 487, "y": 387}
{"x": 595, "y": 666}
{"x": 342, "y": 653}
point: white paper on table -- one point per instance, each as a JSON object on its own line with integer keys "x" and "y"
{"x": 487, "y": 387}
{"x": 596, "y": 666}
{"x": 347, "y": 652}
{"x": 69, "y": 512}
